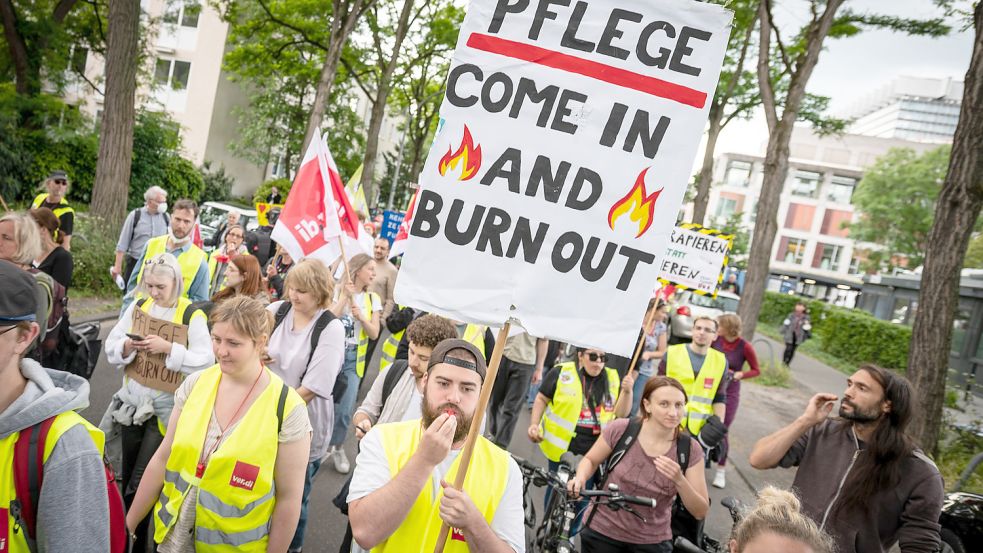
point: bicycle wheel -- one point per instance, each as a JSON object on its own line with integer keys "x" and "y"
{"x": 549, "y": 529}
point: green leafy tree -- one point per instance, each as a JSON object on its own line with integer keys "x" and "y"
{"x": 785, "y": 65}
{"x": 738, "y": 250}
{"x": 896, "y": 200}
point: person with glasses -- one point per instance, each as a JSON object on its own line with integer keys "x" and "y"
{"x": 143, "y": 223}
{"x": 172, "y": 339}
{"x": 575, "y": 402}
{"x": 218, "y": 260}
{"x": 54, "y": 199}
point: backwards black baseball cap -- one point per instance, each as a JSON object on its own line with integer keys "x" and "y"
{"x": 445, "y": 347}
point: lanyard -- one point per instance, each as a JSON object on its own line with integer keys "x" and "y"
{"x": 203, "y": 460}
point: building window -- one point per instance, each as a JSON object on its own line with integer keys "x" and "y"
{"x": 836, "y": 223}
{"x": 827, "y": 257}
{"x": 799, "y": 216}
{"x": 806, "y": 183}
{"x": 77, "y": 58}
{"x": 172, "y": 73}
{"x": 840, "y": 189}
{"x": 792, "y": 250}
{"x": 725, "y": 208}
{"x": 185, "y": 13}
{"x": 960, "y": 326}
{"x": 738, "y": 173}
{"x": 854, "y": 268}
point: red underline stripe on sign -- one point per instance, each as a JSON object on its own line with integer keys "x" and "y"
{"x": 588, "y": 68}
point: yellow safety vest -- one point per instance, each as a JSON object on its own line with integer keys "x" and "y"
{"x": 16, "y": 542}
{"x": 485, "y": 483}
{"x": 236, "y": 495}
{"x": 563, "y": 412}
{"x": 389, "y": 348}
{"x": 62, "y": 208}
{"x": 700, "y": 391}
{"x": 190, "y": 260}
{"x": 363, "y": 338}
{"x": 476, "y": 335}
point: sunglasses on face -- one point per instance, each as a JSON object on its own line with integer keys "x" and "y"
{"x": 61, "y": 182}
{"x": 597, "y": 357}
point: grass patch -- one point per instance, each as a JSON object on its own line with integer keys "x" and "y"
{"x": 84, "y": 304}
{"x": 774, "y": 374}
{"x": 811, "y": 348}
{"x": 956, "y": 448}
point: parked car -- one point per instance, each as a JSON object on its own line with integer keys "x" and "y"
{"x": 688, "y": 305}
{"x": 213, "y": 214}
{"x": 962, "y": 515}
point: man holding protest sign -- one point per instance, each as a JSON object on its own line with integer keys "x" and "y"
{"x": 399, "y": 494}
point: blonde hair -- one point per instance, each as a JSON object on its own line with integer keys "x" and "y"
{"x": 163, "y": 263}
{"x": 778, "y": 512}
{"x": 247, "y": 316}
{"x": 355, "y": 264}
{"x": 311, "y": 275}
{"x": 28, "y": 237}
{"x": 730, "y": 324}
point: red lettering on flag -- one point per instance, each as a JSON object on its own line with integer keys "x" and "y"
{"x": 244, "y": 476}
{"x": 458, "y": 534}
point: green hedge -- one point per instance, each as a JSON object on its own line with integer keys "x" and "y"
{"x": 852, "y": 335}
{"x": 93, "y": 251}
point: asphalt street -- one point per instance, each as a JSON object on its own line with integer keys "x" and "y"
{"x": 762, "y": 411}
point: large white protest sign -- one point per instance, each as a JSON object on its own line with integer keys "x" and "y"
{"x": 567, "y": 136}
{"x": 695, "y": 258}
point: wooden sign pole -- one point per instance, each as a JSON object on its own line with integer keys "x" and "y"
{"x": 638, "y": 347}
{"x": 479, "y": 415}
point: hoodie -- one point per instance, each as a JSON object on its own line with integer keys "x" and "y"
{"x": 73, "y": 513}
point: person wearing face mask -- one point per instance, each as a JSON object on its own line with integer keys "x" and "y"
{"x": 649, "y": 467}
{"x": 134, "y": 422}
{"x": 399, "y": 494}
{"x": 312, "y": 372}
{"x": 54, "y": 199}
{"x": 142, "y": 224}
{"x": 218, "y": 260}
{"x": 177, "y": 242}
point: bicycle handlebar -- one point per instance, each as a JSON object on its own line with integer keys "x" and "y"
{"x": 619, "y": 497}
{"x": 683, "y": 545}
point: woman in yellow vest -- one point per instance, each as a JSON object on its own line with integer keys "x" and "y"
{"x": 360, "y": 312}
{"x": 134, "y": 421}
{"x": 243, "y": 277}
{"x": 73, "y": 470}
{"x": 54, "y": 199}
{"x": 230, "y": 471}
{"x": 574, "y": 404}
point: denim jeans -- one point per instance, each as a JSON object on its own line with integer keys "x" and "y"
{"x": 636, "y": 392}
{"x": 344, "y": 406}
{"x": 298, "y": 542}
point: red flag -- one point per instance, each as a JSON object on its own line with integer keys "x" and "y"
{"x": 196, "y": 235}
{"x": 317, "y": 212}
{"x": 403, "y": 234}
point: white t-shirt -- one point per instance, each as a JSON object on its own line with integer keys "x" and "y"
{"x": 414, "y": 409}
{"x": 372, "y": 472}
{"x": 353, "y": 327}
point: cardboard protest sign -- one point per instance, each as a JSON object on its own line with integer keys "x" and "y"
{"x": 149, "y": 368}
{"x": 696, "y": 258}
{"x": 565, "y": 147}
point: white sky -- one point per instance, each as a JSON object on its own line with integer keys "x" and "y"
{"x": 851, "y": 67}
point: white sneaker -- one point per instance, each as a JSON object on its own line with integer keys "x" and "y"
{"x": 720, "y": 479}
{"x": 341, "y": 461}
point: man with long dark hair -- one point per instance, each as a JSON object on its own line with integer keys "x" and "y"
{"x": 860, "y": 477}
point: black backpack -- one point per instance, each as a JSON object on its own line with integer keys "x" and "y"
{"x": 340, "y": 384}
{"x": 78, "y": 349}
{"x": 136, "y": 219}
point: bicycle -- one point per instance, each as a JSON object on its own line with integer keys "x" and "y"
{"x": 553, "y": 535}
{"x": 682, "y": 545}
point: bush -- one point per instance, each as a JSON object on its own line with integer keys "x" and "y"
{"x": 774, "y": 374}
{"x": 282, "y": 186}
{"x": 851, "y": 335}
{"x": 93, "y": 251}
{"x": 218, "y": 185}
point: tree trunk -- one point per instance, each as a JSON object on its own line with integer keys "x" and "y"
{"x": 956, "y": 211}
{"x": 705, "y": 177}
{"x": 381, "y": 99}
{"x": 16, "y": 47}
{"x": 776, "y": 156}
{"x": 109, "y": 192}
{"x": 346, "y": 14}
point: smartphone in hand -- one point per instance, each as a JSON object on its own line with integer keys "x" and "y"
{"x": 135, "y": 337}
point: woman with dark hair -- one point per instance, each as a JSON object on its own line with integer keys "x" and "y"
{"x": 54, "y": 260}
{"x": 276, "y": 271}
{"x": 219, "y": 259}
{"x": 647, "y": 469}
{"x": 243, "y": 278}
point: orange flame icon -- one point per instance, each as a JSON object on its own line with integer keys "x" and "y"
{"x": 467, "y": 154}
{"x": 639, "y": 206}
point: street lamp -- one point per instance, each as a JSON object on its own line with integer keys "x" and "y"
{"x": 402, "y": 144}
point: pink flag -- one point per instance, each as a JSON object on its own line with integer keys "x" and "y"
{"x": 318, "y": 214}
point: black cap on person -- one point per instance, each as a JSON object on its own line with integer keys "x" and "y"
{"x": 18, "y": 300}
{"x": 440, "y": 352}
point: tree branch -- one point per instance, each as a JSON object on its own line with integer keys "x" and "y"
{"x": 736, "y": 77}
{"x": 358, "y": 79}
{"x": 61, "y": 10}
{"x": 778, "y": 37}
{"x": 292, "y": 27}
{"x": 764, "y": 68}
